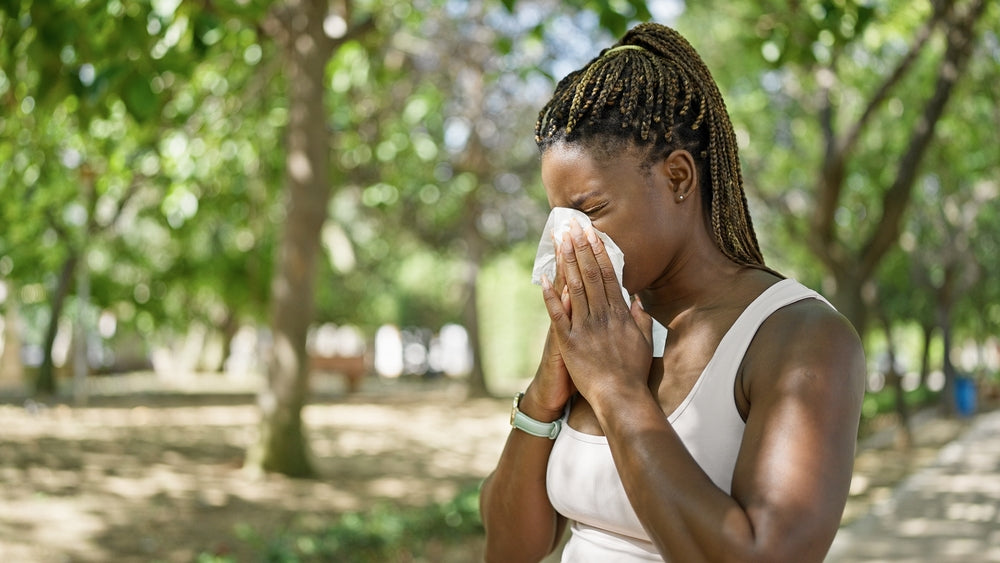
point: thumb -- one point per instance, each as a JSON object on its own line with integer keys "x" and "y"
{"x": 643, "y": 320}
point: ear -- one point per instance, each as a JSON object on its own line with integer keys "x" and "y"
{"x": 681, "y": 173}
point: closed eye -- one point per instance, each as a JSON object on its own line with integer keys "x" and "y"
{"x": 590, "y": 202}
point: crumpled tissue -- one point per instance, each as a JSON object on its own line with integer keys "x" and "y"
{"x": 558, "y": 224}
{"x": 545, "y": 260}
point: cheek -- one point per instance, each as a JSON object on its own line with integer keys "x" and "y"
{"x": 642, "y": 254}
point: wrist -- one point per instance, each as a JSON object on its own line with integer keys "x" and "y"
{"x": 529, "y": 425}
{"x": 615, "y": 403}
{"x": 531, "y": 406}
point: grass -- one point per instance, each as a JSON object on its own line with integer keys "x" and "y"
{"x": 381, "y": 534}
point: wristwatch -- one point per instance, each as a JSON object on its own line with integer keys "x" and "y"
{"x": 527, "y": 424}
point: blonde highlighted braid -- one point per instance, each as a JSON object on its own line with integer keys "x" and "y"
{"x": 652, "y": 91}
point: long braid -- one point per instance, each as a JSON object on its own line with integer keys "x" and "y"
{"x": 651, "y": 89}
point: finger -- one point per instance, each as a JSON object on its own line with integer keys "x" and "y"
{"x": 559, "y": 284}
{"x": 643, "y": 320}
{"x": 575, "y": 286}
{"x": 612, "y": 287}
{"x": 553, "y": 304}
{"x": 590, "y": 271}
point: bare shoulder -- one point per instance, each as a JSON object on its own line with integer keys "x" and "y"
{"x": 805, "y": 342}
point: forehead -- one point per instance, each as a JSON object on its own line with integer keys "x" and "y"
{"x": 572, "y": 173}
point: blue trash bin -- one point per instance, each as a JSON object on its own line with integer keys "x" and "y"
{"x": 965, "y": 396}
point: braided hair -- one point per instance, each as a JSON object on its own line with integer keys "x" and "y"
{"x": 652, "y": 92}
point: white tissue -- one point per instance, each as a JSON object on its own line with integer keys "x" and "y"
{"x": 557, "y": 224}
{"x": 545, "y": 260}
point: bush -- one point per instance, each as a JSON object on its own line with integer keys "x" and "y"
{"x": 381, "y": 534}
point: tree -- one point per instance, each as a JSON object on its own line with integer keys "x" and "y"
{"x": 840, "y": 75}
{"x": 127, "y": 153}
{"x": 299, "y": 26}
{"x": 78, "y": 98}
{"x": 941, "y": 265}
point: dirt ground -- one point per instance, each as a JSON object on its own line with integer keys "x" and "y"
{"x": 157, "y": 477}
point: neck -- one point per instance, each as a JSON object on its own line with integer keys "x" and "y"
{"x": 699, "y": 286}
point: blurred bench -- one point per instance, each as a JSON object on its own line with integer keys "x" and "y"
{"x": 354, "y": 368}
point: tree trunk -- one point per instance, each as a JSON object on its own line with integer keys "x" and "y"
{"x": 228, "y": 330}
{"x": 948, "y": 393}
{"x": 470, "y": 312}
{"x": 904, "y": 434}
{"x": 282, "y": 444}
{"x": 45, "y": 383}
{"x": 81, "y": 338}
{"x": 849, "y": 298}
{"x": 11, "y": 368}
{"x": 925, "y": 353}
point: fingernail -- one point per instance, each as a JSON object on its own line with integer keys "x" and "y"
{"x": 546, "y": 284}
{"x": 567, "y": 244}
{"x": 591, "y": 235}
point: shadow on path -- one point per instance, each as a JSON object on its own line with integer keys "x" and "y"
{"x": 947, "y": 511}
{"x": 137, "y": 480}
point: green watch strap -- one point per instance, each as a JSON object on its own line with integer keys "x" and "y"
{"x": 534, "y": 427}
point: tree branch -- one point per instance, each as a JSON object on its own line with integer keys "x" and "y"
{"x": 836, "y": 154}
{"x": 960, "y": 39}
{"x": 831, "y": 180}
{"x": 941, "y": 11}
{"x": 133, "y": 188}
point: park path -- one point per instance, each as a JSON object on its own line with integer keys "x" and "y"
{"x": 948, "y": 511}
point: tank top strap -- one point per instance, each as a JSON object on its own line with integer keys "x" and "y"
{"x": 737, "y": 340}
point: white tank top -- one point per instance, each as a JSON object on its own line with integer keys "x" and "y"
{"x": 583, "y": 483}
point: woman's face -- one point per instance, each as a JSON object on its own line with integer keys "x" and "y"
{"x": 633, "y": 205}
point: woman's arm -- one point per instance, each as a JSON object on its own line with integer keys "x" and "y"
{"x": 794, "y": 467}
{"x": 520, "y": 523}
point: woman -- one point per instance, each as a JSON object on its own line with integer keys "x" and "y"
{"x": 737, "y": 442}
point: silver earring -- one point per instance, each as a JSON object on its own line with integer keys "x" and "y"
{"x": 682, "y": 198}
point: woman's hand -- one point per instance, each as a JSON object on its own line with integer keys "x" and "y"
{"x": 552, "y": 386}
{"x": 604, "y": 344}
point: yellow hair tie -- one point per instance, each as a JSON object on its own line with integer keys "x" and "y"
{"x": 623, "y": 48}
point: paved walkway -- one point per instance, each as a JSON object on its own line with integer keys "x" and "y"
{"x": 946, "y": 512}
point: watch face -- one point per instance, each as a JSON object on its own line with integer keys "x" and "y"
{"x": 513, "y": 407}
